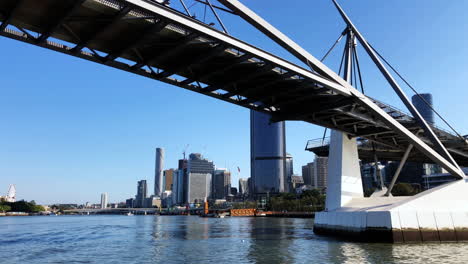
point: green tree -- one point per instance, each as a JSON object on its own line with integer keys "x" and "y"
{"x": 403, "y": 189}
{"x": 4, "y": 208}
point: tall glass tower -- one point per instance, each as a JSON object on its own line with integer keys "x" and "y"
{"x": 423, "y": 108}
{"x": 267, "y": 153}
{"x": 158, "y": 172}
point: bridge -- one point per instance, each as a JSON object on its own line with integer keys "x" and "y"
{"x": 153, "y": 40}
{"x": 113, "y": 211}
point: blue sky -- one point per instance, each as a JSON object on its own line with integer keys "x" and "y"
{"x": 72, "y": 129}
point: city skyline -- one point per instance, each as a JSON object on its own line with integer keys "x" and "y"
{"x": 52, "y": 159}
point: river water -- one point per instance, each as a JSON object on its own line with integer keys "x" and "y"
{"x": 191, "y": 239}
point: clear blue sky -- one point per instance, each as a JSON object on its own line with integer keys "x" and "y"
{"x": 72, "y": 129}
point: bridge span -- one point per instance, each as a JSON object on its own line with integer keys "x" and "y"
{"x": 155, "y": 41}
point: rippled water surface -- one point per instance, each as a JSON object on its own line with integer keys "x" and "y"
{"x": 191, "y": 239}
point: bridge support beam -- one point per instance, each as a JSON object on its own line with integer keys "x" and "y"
{"x": 344, "y": 175}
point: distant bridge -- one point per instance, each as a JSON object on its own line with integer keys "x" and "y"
{"x": 112, "y": 210}
{"x": 158, "y": 42}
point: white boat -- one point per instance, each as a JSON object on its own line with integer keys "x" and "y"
{"x": 130, "y": 214}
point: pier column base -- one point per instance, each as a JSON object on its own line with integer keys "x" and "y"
{"x": 439, "y": 214}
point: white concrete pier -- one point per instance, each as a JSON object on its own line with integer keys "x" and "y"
{"x": 439, "y": 214}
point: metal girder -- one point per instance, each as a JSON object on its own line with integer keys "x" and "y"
{"x": 83, "y": 43}
{"x": 427, "y": 129}
{"x": 56, "y": 24}
{"x": 314, "y": 94}
{"x": 212, "y": 33}
{"x": 295, "y": 114}
{"x": 265, "y": 68}
{"x": 400, "y": 167}
{"x": 319, "y": 67}
{"x": 157, "y": 27}
{"x": 118, "y": 65}
{"x": 300, "y": 88}
{"x": 177, "y": 47}
{"x": 198, "y": 60}
{"x": 8, "y": 18}
{"x": 219, "y": 70}
{"x": 250, "y": 90}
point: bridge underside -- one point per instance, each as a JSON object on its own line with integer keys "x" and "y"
{"x": 367, "y": 152}
{"x": 163, "y": 44}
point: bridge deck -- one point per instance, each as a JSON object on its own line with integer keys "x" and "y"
{"x": 158, "y": 42}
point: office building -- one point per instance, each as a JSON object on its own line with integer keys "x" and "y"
{"x": 308, "y": 174}
{"x": 104, "y": 200}
{"x": 168, "y": 179}
{"x": 244, "y": 187}
{"x": 288, "y": 173}
{"x": 268, "y": 153}
{"x": 200, "y": 173}
{"x": 129, "y": 203}
{"x": 233, "y": 191}
{"x": 158, "y": 173}
{"x": 320, "y": 172}
{"x": 180, "y": 183}
{"x": 423, "y": 104}
{"x": 140, "y": 198}
{"x": 221, "y": 184}
{"x": 166, "y": 199}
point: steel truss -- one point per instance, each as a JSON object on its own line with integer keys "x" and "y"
{"x": 157, "y": 42}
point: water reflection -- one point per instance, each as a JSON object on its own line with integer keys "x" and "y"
{"x": 182, "y": 239}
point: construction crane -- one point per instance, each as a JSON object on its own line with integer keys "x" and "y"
{"x": 185, "y": 150}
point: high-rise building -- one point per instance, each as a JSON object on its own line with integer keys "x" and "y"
{"x": 244, "y": 187}
{"x": 423, "y": 104}
{"x": 158, "y": 173}
{"x": 268, "y": 153}
{"x": 168, "y": 179}
{"x": 308, "y": 173}
{"x": 180, "y": 183}
{"x": 140, "y": 198}
{"x": 129, "y": 203}
{"x": 104, "y": 200}
{"x": 234, "y": 191}
{"x": 200, "y": 173}
{"x": 178, "y": 186}
{"x": 221, "y": 183}
{"x": 320, "y": 172}
{"x": 288, "y": 173}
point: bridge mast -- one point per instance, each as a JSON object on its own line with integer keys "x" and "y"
{"x": 443, "y": 158}
{"x": 422, "y": 122}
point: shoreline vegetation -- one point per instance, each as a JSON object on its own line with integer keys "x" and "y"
{"x": 279, "y": 205}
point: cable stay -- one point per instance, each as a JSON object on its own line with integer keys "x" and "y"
{"x": 416, "y": 92}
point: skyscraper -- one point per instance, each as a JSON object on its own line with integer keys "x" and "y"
{"x": 320, "y": 172}
{"x": 424, "y": 109}
{"x": 221, "y": 183}
{"x": 268, "y": 153}
{"x": 244, "y": 187}
{"x": 158, "y": 173}
{"x": 140, "y": 198}
{"x": 200, "y": 173}
{"x": 308, "y": 173}
{"x": 104, "y": 200}
{"x": 168, "y": 179}
{"x": 288, "y": 173}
